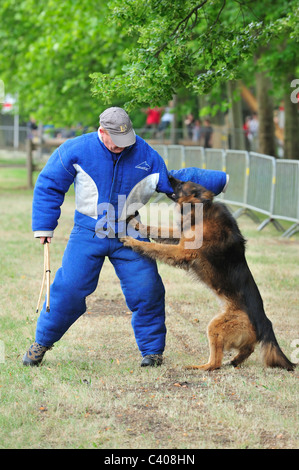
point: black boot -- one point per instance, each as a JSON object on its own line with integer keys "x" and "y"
{"x": 35, "y": 354}
{"x": 152, "y": 360}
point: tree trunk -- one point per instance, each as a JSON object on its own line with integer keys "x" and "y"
{"x": 237, "y": 137}
{"x": 174, "y": 137}
{"x": 291, "y": 126}
{"x": 29, "y": 164}
{"x": 265, "y": 115}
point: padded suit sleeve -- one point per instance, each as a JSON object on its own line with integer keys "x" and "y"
{"x": 50, "y": 188}
{"x": 213, "y": 180}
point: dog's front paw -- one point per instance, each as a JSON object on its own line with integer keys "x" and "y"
{"x": 127, "y": 241}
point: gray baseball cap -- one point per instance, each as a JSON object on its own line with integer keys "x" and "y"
{"x": 117, "y": 122}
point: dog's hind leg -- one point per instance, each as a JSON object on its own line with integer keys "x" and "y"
{"x": 216, "y": 342}
{"x": 243, "y": 354}
{"x": 230, "y": 330}
{"x": 242, "y": 337}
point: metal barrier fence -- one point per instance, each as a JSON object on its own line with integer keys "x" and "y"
{"x": 195, "y": 156}
{"x": 286, "y": 195}
{"x": 237, "y": 166}
{"x": 12, "y": 137}
{"x": 258, "y": 183}
{"x": 261, "y": 184}
{"x": 215, "y": 159}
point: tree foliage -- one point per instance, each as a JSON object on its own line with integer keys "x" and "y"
{"x": 49, "y": 49}
{"x": 190, "y": 43}
{"x": 136, "y": 52}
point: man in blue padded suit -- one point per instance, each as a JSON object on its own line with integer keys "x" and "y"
{"x": 107, "y": 167}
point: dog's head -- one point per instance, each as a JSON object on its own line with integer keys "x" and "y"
{"x": 188, "y": 192}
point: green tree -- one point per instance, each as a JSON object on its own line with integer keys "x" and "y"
{"x": 141, "y": 53}
{"x": 184, "y": 43}
{"x": 48, "y": 50}
{"x": 198, "y": 45}
{"x": 276, "y": 67}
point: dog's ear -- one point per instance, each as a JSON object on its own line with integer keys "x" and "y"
{"x": 174, "y": 181}
{"x": 203, "y": 194}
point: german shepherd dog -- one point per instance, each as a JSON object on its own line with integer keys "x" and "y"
{"x": 220, "y": 263}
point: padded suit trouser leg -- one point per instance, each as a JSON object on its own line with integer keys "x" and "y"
{"x": 78, "y": 277}
{"x": 74, "y": 281}
{"x": 145, "y": 296}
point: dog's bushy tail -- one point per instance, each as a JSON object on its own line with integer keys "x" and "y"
{"x": 271, "y": 353}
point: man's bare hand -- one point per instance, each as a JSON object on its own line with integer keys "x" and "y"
{"x": 44, "y": 240}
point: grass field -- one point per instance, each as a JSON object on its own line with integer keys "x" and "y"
{"x": 91, "y": 392}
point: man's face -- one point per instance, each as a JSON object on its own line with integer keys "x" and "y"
{"x": 107, "y": 141}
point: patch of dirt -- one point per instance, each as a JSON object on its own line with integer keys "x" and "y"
{"x": 110, "y": 307}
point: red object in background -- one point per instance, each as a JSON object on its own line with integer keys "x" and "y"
{"x": 7, "y": 106}
{"x": 153, "y": 116}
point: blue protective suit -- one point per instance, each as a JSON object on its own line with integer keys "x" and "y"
{"x": 104, "y": 184}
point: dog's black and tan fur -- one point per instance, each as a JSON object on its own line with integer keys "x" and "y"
{"x": 221, "y": 264}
